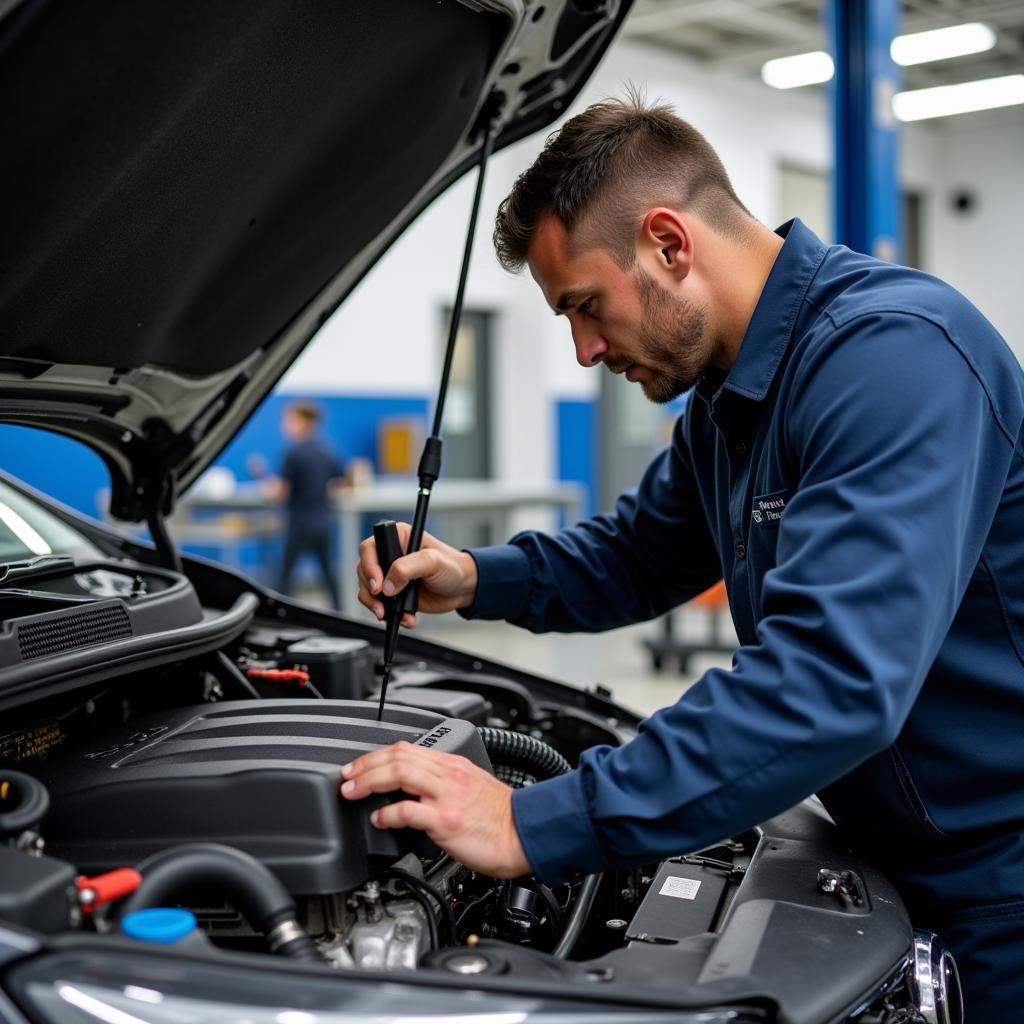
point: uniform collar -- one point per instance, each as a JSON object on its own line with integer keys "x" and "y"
{"x": 771, "y": 326}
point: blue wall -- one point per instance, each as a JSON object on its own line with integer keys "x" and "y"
{"x": 71, "y": 473}
{"x": 576, "y": 430}
{"x": 64, "y": 469}
{"x": 350, "y": 425}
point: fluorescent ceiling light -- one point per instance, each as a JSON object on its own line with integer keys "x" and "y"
{"x": 802, "y": 69}
{"x": 942, "y": 43}
{"x": 915, "y": 48}
{"x": 943, "y": 100}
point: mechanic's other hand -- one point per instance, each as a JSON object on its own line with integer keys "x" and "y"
{"x": 463, "y": 808}
{"x": 448, "y": 577}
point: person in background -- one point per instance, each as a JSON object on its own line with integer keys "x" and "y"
{"x": 311, "y": 472}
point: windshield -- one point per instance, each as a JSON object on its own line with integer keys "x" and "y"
{"x": 28, "y": 530}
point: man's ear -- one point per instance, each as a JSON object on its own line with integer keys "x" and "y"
{"x": 668, "y": 239}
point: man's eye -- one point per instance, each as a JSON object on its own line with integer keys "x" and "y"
{"x": 585, "y": 307}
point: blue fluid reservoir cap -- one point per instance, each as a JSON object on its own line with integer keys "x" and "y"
{"x": 161, "y": 924}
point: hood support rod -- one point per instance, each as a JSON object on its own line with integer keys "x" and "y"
{"x": 430, "y": 461}
{"x": 167, "y": 553}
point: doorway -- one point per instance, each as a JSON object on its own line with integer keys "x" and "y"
{"x": 467, "y": 427}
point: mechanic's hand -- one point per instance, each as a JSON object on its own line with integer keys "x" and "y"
{"x": 448, "y": 577}
{"x": 463, "y": 808}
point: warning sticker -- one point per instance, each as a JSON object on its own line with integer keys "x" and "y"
{"x": 680, "y": 888}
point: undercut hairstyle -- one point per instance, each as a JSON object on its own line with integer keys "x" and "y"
{"x": 604, "y": 169}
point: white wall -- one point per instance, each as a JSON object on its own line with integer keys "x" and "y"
{"x": 980, "y": 252}
{"x": 386, "y": 339}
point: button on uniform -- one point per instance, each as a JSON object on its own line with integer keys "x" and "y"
{"x": 741, "y": 448}
{"x": 741, "y": 551}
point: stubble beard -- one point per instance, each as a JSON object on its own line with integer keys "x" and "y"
{"x": 673, "y": 338}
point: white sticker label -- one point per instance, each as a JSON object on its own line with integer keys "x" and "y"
{"x": 681, "y": 888}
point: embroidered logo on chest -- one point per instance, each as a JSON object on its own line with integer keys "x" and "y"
{"x": 768, "y": 508}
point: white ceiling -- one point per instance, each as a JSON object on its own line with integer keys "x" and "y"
{"x": 740, "y": 35}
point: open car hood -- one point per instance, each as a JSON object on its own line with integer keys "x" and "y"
{"x": 192, "y": 188}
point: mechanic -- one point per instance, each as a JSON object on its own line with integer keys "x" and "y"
{"x": 311, "y": 473}
{"x": 851, "y": 462}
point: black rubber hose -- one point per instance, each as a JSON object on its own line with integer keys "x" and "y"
{"x": 517, "y": 750}
{"x": 421, "y": 898}
{"x": 578, "y": 916}
{"x": 236, "y": 675}
{"x": 554, "y": 910}
{"x": 24, "y": 802}
{"x": 246, "y": 884}
{"x": 411, "y": 881}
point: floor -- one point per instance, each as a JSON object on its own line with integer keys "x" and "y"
{"x": 616, "y": 659}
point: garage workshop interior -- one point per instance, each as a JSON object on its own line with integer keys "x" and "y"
{"x": 370, "y": 654}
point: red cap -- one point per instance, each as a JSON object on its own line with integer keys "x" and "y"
{"x": 280, "y": 675}
{"x": 106, "y": 888}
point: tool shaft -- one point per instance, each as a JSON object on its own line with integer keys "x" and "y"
{"x": 389, "y": 548}
{"x": 385, "y": 533}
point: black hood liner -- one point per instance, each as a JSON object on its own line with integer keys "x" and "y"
{"x": 181, "y": 177}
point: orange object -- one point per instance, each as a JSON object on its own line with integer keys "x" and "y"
{"x": 713, "y": 599}
{"x": 280, "y": 675}
{"x": 399, "y": 440}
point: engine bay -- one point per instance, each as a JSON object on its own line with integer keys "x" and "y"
{"x": 167, "y": 771}
{"x": 241, "y": 748}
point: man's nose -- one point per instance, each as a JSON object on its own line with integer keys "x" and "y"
{"x": 591, "y": 348}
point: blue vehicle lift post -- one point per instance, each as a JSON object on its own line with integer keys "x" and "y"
{"x": 867, "y": 200}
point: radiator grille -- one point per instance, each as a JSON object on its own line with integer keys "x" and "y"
{"x": 73, "y": 630}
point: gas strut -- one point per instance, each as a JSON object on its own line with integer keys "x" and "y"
{"x": 385, "y": 533}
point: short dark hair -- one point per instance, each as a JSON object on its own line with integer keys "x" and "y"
{"x": 308, "y": 412}
{"x": 606, "y": 167}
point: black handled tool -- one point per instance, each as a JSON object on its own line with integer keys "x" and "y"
{"x": 389, "y": 547}
{"x": 430, "y": 461}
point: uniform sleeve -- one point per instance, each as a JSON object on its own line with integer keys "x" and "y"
{"x": 653, "y": 553}
{"x": 901, "y": 467}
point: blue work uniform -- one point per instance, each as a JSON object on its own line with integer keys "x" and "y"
{"x": 857, "y": 478}
{"x": 310, "y": 466}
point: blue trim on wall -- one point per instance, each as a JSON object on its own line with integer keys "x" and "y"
{"x": 64, "y": 469}
{"x": 71, "y": 473}
{"x": 577, "y": 445}
{"x": 349, "y": 425}
{"x": 74, "y": 474}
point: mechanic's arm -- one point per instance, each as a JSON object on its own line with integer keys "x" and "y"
{"x": 901, "y": 465}
{"x": 655, "y": 552}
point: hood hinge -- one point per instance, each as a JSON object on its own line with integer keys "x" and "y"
{"x": 154, "y": 490}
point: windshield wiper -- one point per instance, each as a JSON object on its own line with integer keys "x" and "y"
{"x": 31, "y": 566}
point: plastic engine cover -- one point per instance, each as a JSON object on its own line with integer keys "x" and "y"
{"x": 259, "y": 775}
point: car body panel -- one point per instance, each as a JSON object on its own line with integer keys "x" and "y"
{"x": 192, "y": 189}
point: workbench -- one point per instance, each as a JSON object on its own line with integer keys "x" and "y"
{"x": 505, "y": 507}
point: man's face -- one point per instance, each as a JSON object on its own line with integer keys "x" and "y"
{"x": 625, "y": 319}
{"x": 294, "y": 427}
